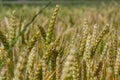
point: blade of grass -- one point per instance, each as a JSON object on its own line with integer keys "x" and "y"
{"x": 25, "y": 27}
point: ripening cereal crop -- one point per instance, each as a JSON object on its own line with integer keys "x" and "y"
{"x": 60, "y": 43}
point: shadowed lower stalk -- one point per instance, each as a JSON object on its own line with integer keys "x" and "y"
{"x": 84, "y": 71}
{"x": 4, "y": 73}
{"x": 110, "y": 69}
{"x": 4, "y": 41}
{"x": 42, "y": 32}
{"x": 47, "y": 54}
{"x": 58, "y": 67}
{"x": 97, "y": 70}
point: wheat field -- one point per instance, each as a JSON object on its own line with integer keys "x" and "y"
{"x": 60, "y": 43}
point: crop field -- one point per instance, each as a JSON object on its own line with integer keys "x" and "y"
{"x": 60, "y": 42}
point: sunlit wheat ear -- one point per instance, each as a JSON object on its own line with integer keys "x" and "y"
{"x": 66, "y": 73}
{"x": 115, "y": 42}
{"x": 75, "y": 70}
{"x": 67, "y": 70}
{"x": 21, "y": 64}
{"x": 75, "y": 65}
{"x": 12, "y": 27}
{"x": 32, "y": 41}
{"x": 98, "y": 40}
{"x": 102, "y": 57}
{"x": 49, "y": 33}
{"x": 84, "y": 37}
{"x": 110, "y": 56}
{"x": 87, "y": 51}
{"x": 30, "y": 64}
{"x": 117, "y": 64}
{"x": 46, "y": 55}
{"x": 4, "y": 41}
{"x": 38, "y": 71}
{"x": 94, "y": 34}
{"x": 87, "y": 54}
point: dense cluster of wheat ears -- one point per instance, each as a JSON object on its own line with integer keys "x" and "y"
{"x": 89, "y": 51}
